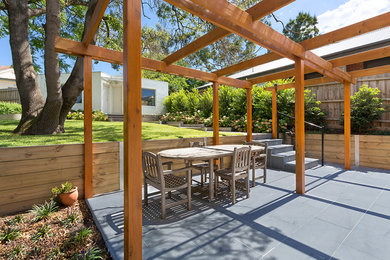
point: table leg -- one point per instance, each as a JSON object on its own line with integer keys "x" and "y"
{"x": 211, "y": 179}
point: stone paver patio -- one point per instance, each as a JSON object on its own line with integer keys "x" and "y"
{"x": 344, "y": 215}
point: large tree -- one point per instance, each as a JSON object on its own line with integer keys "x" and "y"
{"x": 32, "y": 27}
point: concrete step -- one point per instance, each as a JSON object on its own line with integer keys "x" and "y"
{"x": 280, "y": 148}
{"x": 282, "y": 158}
{"x": 270, "y": 142}
{"x": 309, "y": 163}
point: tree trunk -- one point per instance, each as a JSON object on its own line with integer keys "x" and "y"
{"x": 48, "y": 120}
{"x": 74, "y": 86}
{"x": 26, "y": 79}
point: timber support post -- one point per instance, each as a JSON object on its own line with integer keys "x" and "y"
{"x": 299, "y": 126}
{"x": 215, "y": 113}
{"x": 249, "y": 114}
{"x": 132, "y": 128}
{"x": 347, "y": 125}
{"x": 88, "y": 148}
{"x": 274, "y": 113}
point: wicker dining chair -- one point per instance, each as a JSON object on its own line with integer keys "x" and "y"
{"x": 240, "y": 167}
{"x": 259, "y": 161}
{"x": 164, "y": 180}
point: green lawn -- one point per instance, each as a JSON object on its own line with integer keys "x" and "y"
{"x": 102, "y": 132}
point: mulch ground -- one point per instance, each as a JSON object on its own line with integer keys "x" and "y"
{"x": 59, "y": 243}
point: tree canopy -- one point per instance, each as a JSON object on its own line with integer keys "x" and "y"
{"x": 303, "y": 27}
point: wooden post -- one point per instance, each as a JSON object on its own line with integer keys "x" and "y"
{"x": 249, "y": 115}
{"x": 274, "y": 114}
{"x": 88, "y": 153}
{"x": 299, "y": 126}
{"x": 347, "y": 125}
{"x": 132, "y": 125}
{"x": 215, "y": 113}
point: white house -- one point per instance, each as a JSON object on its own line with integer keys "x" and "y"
{"x": 7, "y": 78}
{"x": 107, "y": 94}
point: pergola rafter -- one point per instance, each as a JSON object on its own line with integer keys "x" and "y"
{"x": 257, "y": 11}
{"x": 229, "y": 19}
{"x": 344, "y": 33}
{"x": 228, "y": 16}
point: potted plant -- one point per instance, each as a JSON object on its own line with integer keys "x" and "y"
{"x": 66, "y": 192}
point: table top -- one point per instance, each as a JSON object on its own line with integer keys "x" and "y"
{"x": 204, "y": 153}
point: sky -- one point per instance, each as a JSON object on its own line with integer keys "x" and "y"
{"x": 331, "y": 14}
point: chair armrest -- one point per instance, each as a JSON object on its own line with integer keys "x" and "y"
{"x": 185, "y": 169}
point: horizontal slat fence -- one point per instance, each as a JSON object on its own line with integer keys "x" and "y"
{"x": 27, "y": 174}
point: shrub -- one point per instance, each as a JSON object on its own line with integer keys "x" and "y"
{"x": 97, "y": 115}
{"x": 44, "y": 211}
{"x": 10, "y": 108}
{"x": 366, "y": 106}
{"x": 179, "y": 101}
{"x": 193, "y": 101}
{"x": 206, "y": 103}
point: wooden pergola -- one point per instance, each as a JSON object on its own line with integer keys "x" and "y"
{"x": 228, "y": 19}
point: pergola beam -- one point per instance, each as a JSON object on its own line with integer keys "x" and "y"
{"x": 257, "y": 11}
{"x": 346, "y": 60}
{"x": 228, "y": 16}
{"x": 94, "y": 23}
{"x": 71, "y": 47}
{"x": 344, "y": 33}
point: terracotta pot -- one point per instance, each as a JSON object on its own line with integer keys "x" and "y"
{"x": 69, "y": 198}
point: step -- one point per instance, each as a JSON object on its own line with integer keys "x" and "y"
{"x": 282, "y": 158}
{"x": 309, "y": 163}
{"x": 280, "y": 148}
{"x": 270, "y": 142}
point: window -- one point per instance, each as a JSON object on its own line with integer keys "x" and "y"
{"x": 148, "y": 97}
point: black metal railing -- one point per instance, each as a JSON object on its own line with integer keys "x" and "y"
{"x": 322, "y": 128}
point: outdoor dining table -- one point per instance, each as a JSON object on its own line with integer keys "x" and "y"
{"x": 205, "y": 153}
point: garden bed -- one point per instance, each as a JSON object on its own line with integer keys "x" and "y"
{"x": 68, "y": 233}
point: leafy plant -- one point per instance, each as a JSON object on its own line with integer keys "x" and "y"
{"x": 9, "y": 234}
{"x": 43, "y": 232}
{"x": 89, "y": 254}
{"x": 18, "y": 252}
{"x": 366, "y": 106}
{"x": 71, "y": 218}
{"x": 81, "y": 235}
{"x": 10, "y": 108}
{"x": 64, "y": 188}
{"x": 56, "y": 254}
{"x": 16, "y": 220}
{"x": 44, "y": 211}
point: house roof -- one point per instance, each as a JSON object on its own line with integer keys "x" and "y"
{"x": 7, "y": 72}
{"x": 365, "y": 42}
